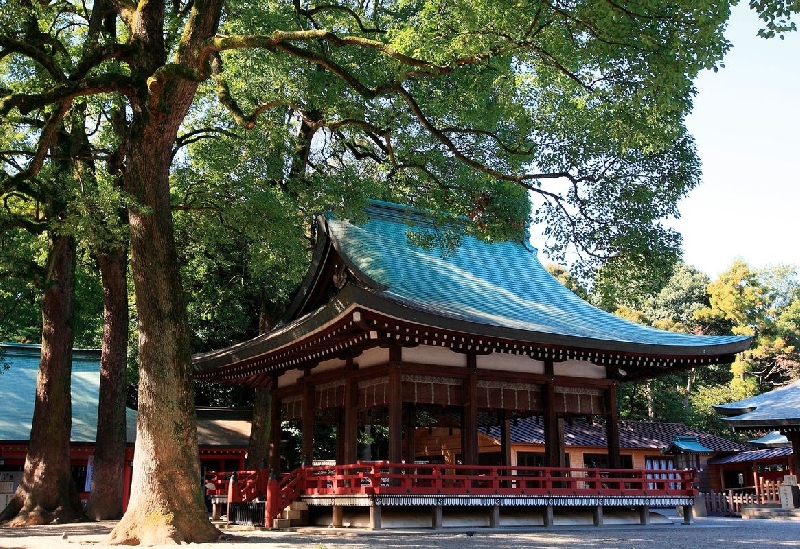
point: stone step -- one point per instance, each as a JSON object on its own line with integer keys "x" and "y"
{"x": 293, "y": 514}
{"x": 280, "y": 523}
{"x": 298, "y": 506}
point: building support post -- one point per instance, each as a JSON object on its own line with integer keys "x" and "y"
{"x": 505, "y": 439}
{"x": 307, "y": 448}
{"x": 375, "y": 517}
{"x": 547, "y": 516}
{"x": 274, "y": 451}
{"x": 644, "y": 515}
{"x": 436, "y": 517}
{"x": 469, "y": 420}
{"x": 688, "y": 514}
{"x": 553, "y": 445}
{"x": 395, "y": 405}
{"x": 411, "y": 430}
{"x": 597, "y": 515}
{"x": 494, "y": 516}
{"x": 612, "y": 427}
{"x": 350, "y": 431}
{"x": 794, "y": 438}
{"x": 337, "y": 518}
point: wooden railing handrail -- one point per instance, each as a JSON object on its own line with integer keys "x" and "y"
{"x": 384, "y": 478}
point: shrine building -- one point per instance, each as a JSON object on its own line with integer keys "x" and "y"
{"x": 386, "y": 332}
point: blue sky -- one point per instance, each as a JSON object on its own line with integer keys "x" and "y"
{"x": 746, "y": 121}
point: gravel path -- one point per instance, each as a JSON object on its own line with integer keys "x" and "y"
{"x": 706, "y": 533}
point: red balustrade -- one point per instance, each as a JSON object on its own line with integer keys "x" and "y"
{"x": 383, "y": 478}
{"x": 415, "y": 479}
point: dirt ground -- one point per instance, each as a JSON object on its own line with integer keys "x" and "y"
{"x": 728, "y": 533}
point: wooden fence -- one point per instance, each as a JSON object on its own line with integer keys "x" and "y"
{"x": 731, "y": 502}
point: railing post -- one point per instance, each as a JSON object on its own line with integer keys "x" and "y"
{"x": 273, "y": 496}
{"x": 233, "y": 493}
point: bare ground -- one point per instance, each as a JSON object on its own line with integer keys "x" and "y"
{"x": 707, "y": 533}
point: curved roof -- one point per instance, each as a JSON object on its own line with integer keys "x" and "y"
{"x": 500, "y": 284}
{"x": 778, "y": 408}
{"x": 369, "y": 283}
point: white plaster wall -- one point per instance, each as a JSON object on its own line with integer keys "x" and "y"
{"x": 427, "y": 354}
{"x": 332, "y": 364}
{"x": 510, "y": 363}
{"x": 372, "y": 357}
{"x": 579, "y": 368}
{"x": 289, "y": 378}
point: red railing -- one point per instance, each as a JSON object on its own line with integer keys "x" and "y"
{"x": 383, "y": 478}
{"x": 405, "y": 479}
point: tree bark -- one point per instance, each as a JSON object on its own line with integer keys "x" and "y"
{"x": 105, "y": 499}
{"x": 47, "y": 491}
{"x": 167, "y": 503}
{"x": 258, "y": 445}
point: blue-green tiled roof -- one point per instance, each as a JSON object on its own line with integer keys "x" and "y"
{"x": 775, "y": 408}
{"x": 499, "y": 284}
{"x": 18, "y": 393}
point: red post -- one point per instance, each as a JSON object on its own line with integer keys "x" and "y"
{"x": 273, "y": 497}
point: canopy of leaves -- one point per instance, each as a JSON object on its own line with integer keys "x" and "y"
{"x": 456, "y": 103}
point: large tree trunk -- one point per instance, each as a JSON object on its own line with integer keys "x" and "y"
{"x": 167, "y": 503}
{"x": 105, "y": 499}
{"x": 260, "y": 424}
{"x": 47, "y": 491}
{"x": 258, "y": 445}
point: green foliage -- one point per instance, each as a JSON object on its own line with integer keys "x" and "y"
{"x": 777, "y": 14}
{"x": 762, "y": 303}
{"x": 564, "y": 277}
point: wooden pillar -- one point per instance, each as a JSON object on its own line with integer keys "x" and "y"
{"x": 274, "y": 451}
{"x": 794, "y": 462}
{"x": 547, "y": 516}
{"x": 307, "y": 448}
{"x": 553, "y": 455}
{"x": 597, "y": 515}
{"x": 395, "y": 405}
{"x": 337, "y": 516}
{"x": 411, "y": 429}
{"x": 505, "y": 439}
{"x": 436, "y": 517}
{"x": 612, "y": 428}
{"x": 375, "y": 517}
{"x": 644, "y": 515}
{"x": 349, "y": 432}
{"x": 469, "y": 419}
{"x": 494, "y": 516}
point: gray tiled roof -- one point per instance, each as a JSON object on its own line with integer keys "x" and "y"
{"x": 18, "y": 393}
{"x": 491, "y": 283}
{"x": 752, "y": 455}
{"x": 772, "y": 409}
{"x": 632, "y": 434}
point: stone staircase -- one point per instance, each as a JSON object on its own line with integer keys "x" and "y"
{"x": 296, "y": 514}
